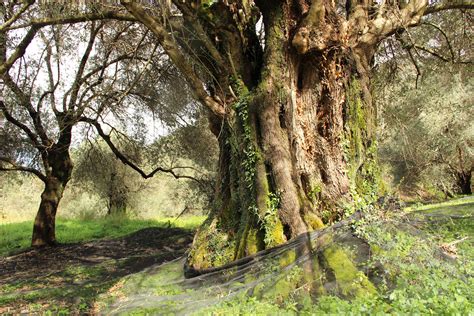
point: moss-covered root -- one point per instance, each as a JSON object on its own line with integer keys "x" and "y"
{"x": 211, "y": 247}
{"x": 350, "y": 281}
{"x": 329, "y": 269}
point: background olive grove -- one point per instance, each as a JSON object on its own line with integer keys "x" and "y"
{"x": 424, "y": 93}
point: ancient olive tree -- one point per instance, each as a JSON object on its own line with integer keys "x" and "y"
{"x": 288, "y": 88}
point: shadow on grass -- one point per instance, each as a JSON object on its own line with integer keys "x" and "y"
{"x": 68, "y": 278}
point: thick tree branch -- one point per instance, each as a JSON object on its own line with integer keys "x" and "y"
{"x": 410, "y": 15}
{"x": 77, "y": 18}
{"x": 17, "y": 15}
{"x": 201, "y": 34}
{"x": 127, "y": 161}
{"x": 19, "y": 51}
{"x": 171, "y": 48}
{"x": 385, "y": 25}
{"x": 17, "y": 167}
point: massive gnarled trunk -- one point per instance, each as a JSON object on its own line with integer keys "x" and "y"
{"x": 293, "y": 114}
{"x": 299, "y": 149}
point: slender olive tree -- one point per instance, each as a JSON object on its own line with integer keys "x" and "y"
{"x": 55, "y": 77}
{"x": 99, "y": 172}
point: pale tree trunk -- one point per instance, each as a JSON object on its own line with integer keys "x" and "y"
{"x": 117, "y": 196}
{"x": 299, "y": 150}
{"x": 116, "y": 206}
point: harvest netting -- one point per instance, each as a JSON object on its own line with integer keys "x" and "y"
{"x": 377, "y": 261}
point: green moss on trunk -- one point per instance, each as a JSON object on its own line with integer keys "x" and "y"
{"x": 360, "y": 147}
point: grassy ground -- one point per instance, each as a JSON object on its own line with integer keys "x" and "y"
{"x": 15, "y": 237}
{"x": 429, "y": 262}
{"x": 162, "y": 196}
{"x": 463, "y": 205}
{"x": 451, "y": 223}
{"x": 105, "y": 260}
{"x": 92, "y": 258}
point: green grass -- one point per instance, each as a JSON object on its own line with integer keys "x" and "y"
{"x": 17, "y": 236}
{"x": 74, "y": 289}
{"x": 449, "y": 221}
{"x": 424, "y": 284}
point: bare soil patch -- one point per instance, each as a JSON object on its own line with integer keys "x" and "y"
{"x": 67, "y": 278}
